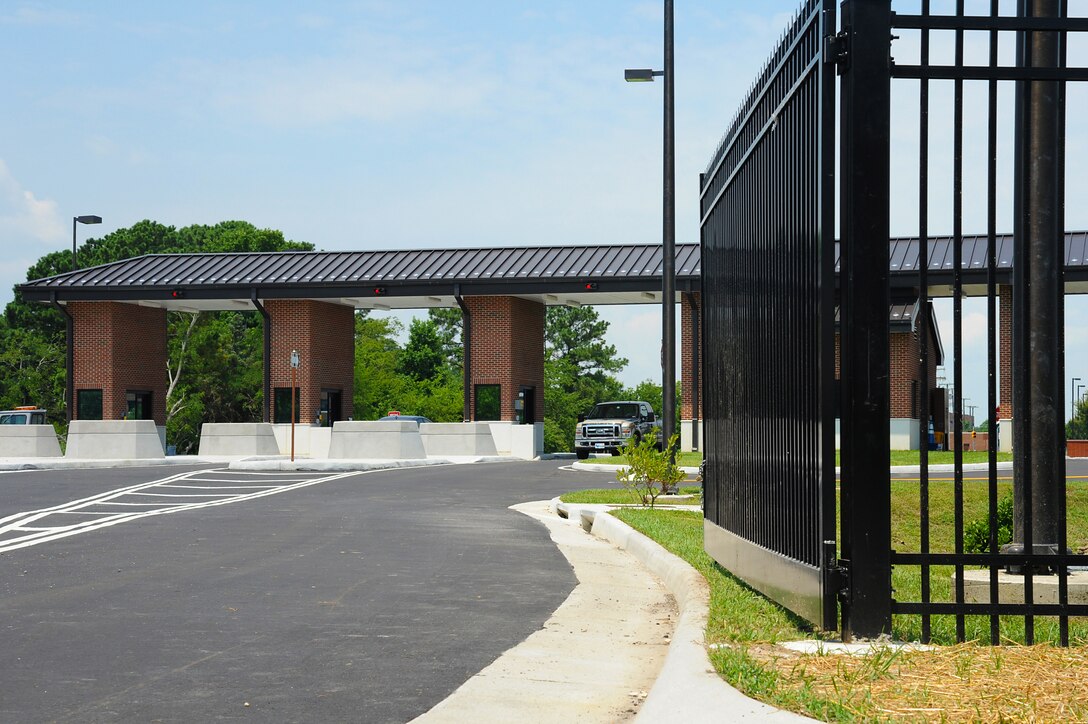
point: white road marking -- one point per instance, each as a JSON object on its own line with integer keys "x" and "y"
{"x": 20, "y": 522}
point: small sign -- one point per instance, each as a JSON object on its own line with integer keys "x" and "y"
{"x": 294, "y": 359}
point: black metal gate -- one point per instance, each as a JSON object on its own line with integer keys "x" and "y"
{"x": 770, "y": 290}
{"x": 767, "y": 208}
{"x": 963, "y": 594}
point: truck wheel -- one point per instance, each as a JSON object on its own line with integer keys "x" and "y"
{"x": 582, "y": 454}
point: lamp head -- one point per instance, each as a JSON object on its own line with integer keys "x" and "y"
{"x": 89, "y": 219}
{"x": 641, "y": 75}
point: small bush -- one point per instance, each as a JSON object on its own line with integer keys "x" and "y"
{"x": 976, "y": 534}
{"x": 650, "y": 473}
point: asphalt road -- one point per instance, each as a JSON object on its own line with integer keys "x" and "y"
{"x": 367, "y": 597}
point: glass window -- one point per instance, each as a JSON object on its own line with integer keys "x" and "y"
{"x": 282, "y": 405}
{"x": 138, "y": 405}
{"x": 488, "y": 399}
{"x": 89, "y": 405}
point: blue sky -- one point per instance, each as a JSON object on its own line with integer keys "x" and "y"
{"x": 373, "y": 124}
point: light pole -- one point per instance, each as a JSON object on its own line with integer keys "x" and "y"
{"x": 81, "y": 220}
{"x": 1073, "y": 397}
{"x": 668, "y": 233}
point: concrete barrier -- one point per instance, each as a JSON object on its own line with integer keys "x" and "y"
{"x": 373, "y": 440}
{"x": 28, "y": 441}
{"x": 114, "y": 439}
{"x": 237, "y": 438}
{"x": 457, "y": 439}
{"x": 519, "y": 441}
{"x": 311, "y": 441}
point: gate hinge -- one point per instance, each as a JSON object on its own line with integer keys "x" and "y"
{"x": 837, "y": 51}
{"x": 838, "y": 578}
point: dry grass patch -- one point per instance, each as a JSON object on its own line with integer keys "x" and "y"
{"x": 967, "y": 682}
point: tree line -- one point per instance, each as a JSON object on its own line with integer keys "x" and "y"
{"x": 215, "y": 369}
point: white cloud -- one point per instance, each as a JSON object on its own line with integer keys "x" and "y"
{"x": 22, "y": 214}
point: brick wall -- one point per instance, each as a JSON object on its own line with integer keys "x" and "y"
{"x": 507, "y": 349}
{"x": 903, "y": 372}
{"x": 324, "y": 336}
{"x": 116, "y": 348}
{"x": 688, "y": 356}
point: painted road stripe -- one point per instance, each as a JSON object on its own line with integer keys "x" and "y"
{"x": 21, "y": 520}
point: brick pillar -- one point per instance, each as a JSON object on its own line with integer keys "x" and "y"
{"x": 119, "y": 348}
{"x": 324, "y": 336}
{"x": 1004, "y": 354}
{"x": 689, "y": 357}
{"x": 507, "y": 350}
{"x": 903, "y": 373}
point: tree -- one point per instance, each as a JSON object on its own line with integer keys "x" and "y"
{"x": 378, "y": 385}
{"x": 214, "y": 364}
{"x": 1077, "y": 428}
{"x": 450, "y": 325}
{"x": 423, "y": 358}
{"x": 577, "y": 371}
{"x": 577, "y": 335}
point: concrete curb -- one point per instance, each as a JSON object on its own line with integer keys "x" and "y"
{"x": 687, "y": 690}
{"x": 603, "y": 468}
{"x": 18, "y": 464}
{"x": 276, "y": 463}
{"x": 968, "y": 468}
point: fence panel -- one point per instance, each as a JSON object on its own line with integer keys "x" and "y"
{"x": 767, "y": 234}
{"x": 943, "y": 589}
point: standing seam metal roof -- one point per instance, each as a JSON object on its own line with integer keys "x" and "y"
{"x": 366, "y": 267}
{"x": 501, "y": 265}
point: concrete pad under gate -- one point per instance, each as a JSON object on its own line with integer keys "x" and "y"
{"x": 237, "y": 438}
{"x": 374, "y": 440}
{"x": 116, "y": 439}
{"x": 28, "y": 441}
{"x": 457, "y": 438}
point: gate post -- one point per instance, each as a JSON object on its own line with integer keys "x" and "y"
{"x": 865, "y": 298}
{"x": 1038, "y": 299}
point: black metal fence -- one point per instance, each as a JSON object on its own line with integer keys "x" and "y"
{"x": 964, "y": 594}
{"x": 767, "y": 207}
{"x": 768, "y": 203}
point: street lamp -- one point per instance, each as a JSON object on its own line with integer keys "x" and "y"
{"x": 81, "y": 220}
{"x": 1073, "y": 396}
{"x": 668, "y": 245}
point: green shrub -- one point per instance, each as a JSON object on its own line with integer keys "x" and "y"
{"x": 976, "y": 534}
{"x": 650, "y": 473}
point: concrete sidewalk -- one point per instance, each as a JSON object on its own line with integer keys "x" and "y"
{"x": 602, "y": 657}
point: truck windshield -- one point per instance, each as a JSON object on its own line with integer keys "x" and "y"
{"x": 614, "y": 410}
{"x": 17, "y": 418}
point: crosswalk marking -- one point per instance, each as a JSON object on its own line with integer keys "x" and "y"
{"x": 29, "y": 528}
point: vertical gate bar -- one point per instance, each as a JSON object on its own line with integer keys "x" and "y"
{"x": 826, "y": 239}
{"x": 866, "y": 539}
{"x": 957, "y": 314}
{"x": 1022, "y": 398}
{"x": 991, "y": 316}
{"x": 923, "y": 295}
{"x": 1059, "y": 193}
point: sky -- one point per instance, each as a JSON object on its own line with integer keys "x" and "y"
{"x": 394, "y": 125}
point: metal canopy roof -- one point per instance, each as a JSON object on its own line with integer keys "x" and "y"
{"x": 415, "y": 278}
{"x": 619, "y": 274}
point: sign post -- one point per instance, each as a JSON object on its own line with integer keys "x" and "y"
{"x": 294, "y": 377}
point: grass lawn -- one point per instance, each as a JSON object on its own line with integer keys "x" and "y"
{"x": 683, "y": 459}
{"x": 965, "y": 682}
{"x": 939, "y": 457}
{"x": 954, "y": 682}
{"x": 622, "y": 496}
